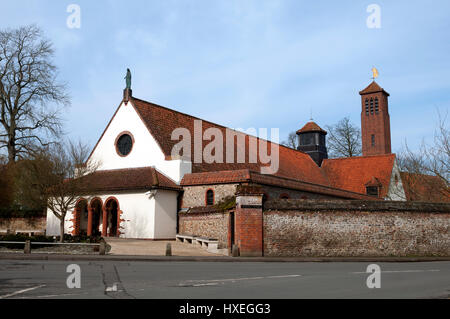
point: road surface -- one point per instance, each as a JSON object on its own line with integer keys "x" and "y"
{"x": 218, "y": 280}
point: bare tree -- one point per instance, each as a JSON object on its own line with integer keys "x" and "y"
{"x": 30, "y": 96}
{"x": 292, "y": 141}
{"x": 58, "y": 177}
{"x": 426, "y": 172}
{"x": 344, "y": 139}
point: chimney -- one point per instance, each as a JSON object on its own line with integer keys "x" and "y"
{"x": 127, "y": 95}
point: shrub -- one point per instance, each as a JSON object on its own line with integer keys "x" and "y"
{"x": 23, "y": 238}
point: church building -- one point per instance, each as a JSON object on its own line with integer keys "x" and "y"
{"x": 141, "y": 186}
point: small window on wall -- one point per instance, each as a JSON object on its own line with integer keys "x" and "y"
{"x": 377, "y": 106}
{"x": 371, "y": 106}
{"x": 373, "y": 140}
{"x": 210, "y": 197}
{"x": 367, "y": 106}
{"x": 372, "y": 191}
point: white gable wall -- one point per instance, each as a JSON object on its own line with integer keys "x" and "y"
{"x": 396, "y": 190}
{"x": 146, "y": 151}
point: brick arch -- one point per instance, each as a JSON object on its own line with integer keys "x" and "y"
{"x": 285, "y": 196}
{"x": 76, "y": 216}
{"x": 91, "y": 215}
{"x": 110, "y": 199}
{"x": 96, "y": 199}
{"x": 105, "y": 216}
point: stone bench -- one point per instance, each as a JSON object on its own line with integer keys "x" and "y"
{"x": 211, "y": 245}
{"x": 185, "y": 239}
{"x": 208, "y": 243}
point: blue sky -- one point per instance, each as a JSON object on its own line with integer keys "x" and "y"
{"x": 249, "y": 63}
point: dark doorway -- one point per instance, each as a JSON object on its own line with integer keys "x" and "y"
{"x": 231, "y": 230}
{"x": 112, "y": 210}
{"x": 96, "y": 217}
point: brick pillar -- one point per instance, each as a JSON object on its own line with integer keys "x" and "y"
{"x": 90, "y": 215}
{"x": 105, "y": 222}
{"x": 249, "y": 221}
{"x": 119, "y": 221}
{"x": 76, "y": 220}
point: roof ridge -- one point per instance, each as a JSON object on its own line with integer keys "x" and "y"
{"x": 163, "y": 174}
{"x": 124, "y": 169}
{"x": 220, "y": 125}
{"x": 359, "y": 157}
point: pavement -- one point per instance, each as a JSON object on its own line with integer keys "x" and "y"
{"x": 112, "y": 279}
{"x": 136, "y": 247}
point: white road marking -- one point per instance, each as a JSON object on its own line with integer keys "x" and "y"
{"x": 211, "y": 282}
{"x": 208, "y": 284}
{"x": 21, "y": 292}
{"x": 53, "y": 296}
{"x": 112, "y": 289}
{"x": 399, "y": 271}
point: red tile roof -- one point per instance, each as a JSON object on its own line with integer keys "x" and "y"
{"x": 373, "y": 88}
{"x": 161, "y": 122}
{"x": 354, "y": 173}
{"x": 348, "y": 174}
{"x": 424, "y": 188}
{"x": 143, "y": 178}
{"x": 311, "y": 127}
{"x": 248, "y": 176}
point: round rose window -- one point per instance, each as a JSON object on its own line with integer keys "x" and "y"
{"x": 124, "y": 144}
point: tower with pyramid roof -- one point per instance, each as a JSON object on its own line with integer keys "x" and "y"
{"x": 375, "y": 121}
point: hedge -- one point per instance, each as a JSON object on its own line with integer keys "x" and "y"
{"x": 21, "y": 213}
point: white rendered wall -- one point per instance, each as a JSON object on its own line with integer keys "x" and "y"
{"x": 166, "y": 215}
{"x": 146, "y": 151}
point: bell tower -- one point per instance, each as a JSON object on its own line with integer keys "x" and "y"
{"x": 375, "y": 121}
{"x": 312, "y": 141}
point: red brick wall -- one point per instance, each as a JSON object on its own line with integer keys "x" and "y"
{"x": 249, "y": 231}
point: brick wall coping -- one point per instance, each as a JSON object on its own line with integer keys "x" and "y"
{"x": 203, "y": 210}
{"x": 371, "y": 206}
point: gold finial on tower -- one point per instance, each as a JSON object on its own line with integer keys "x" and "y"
{"x": 375, "y": 73}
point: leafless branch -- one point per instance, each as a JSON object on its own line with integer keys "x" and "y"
{"x": 31, "y": 98}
